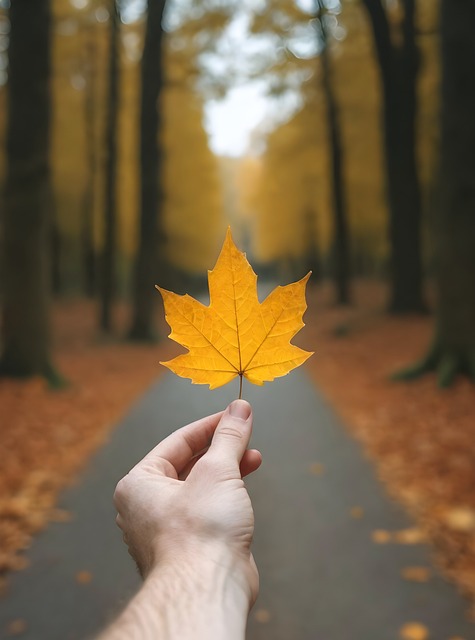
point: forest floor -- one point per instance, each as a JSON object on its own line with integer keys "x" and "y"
{"x": 420, "y": 437}
{"x": 47, "y": 436}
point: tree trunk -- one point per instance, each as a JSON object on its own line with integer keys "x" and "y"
{"x": 108, "y": 258}
{"x": 28, "y": 195}
{"x": 453, "y": 350}
{"x": 151, "y": 240}
{"x": 341, "y": 250}
{"x": 399, "y": 66}
{"x": 55, "y": 259}
{"x": 87, "y": 228}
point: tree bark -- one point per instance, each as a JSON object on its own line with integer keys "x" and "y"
{"x": 108, "y": 258}
{"x": 341, "y": 235}
{"x": 399, "y": 65}
{"x": 87, "y": 227}
{"x": 151, "y": 237}
{"x": 453, "y": 350}
{"x": 28, "y": 194}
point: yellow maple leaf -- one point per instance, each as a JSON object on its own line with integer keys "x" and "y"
{"x": 236, "y": 335}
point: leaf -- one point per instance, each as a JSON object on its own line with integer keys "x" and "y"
{"x": 410, "y": 536}
{"x": 317, "y": 469}
{"x": 460, "y": 519}
{"x": 414, "y": 631}
{"x": 16, "y": 627}
{"x": 83, "y": 577}
{"x": 262, "y": 615}
{"x": 381, "y": 536}
{"x": 416, "y": 574}
{"x": 236, "y": 335}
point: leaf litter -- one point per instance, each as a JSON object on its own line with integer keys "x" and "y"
{"x": 47, "y": 436}
{"x": 420, "y": 438}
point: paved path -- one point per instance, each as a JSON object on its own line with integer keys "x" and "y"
{"x": 322, "y": 577}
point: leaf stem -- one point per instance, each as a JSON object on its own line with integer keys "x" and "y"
{"x": 240, "y": 386}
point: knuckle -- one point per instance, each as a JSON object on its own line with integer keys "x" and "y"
{"x": 231, "y": 431}
{"x": 121, "y": 491}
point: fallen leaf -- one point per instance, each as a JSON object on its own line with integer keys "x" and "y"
{"x": 60, "y": 515}
{"x": 3, "y": 586}
{"x": 16, "y": 627}
{"x": 460, "y": 519}
{"x": 83, "y": 577}
{"x": 236, "y": 335}
{"x": 380, "y": 536}
{"x": 316, "y": 469}
{"x": 356, "y": 512}
{"x": 414, "y": 631}
{"x": 416, "y": 574}
{"x": 456, "y": 638}
{"x": 262, "y": 616}
{"x": 410, "y": 536}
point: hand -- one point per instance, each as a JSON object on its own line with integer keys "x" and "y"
{"x": 186, "y": 500}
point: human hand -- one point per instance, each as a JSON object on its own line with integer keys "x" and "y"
{"x": 186, "y": 502}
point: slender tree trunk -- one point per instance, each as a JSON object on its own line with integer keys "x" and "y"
{"x": 108, "y": 258}
{"x": 28, "y": 195}
{"x": 399, "y": 66}
{"x": 453, "y": 350}
{"x": 151, "y": 241}
{"x": 87, "y": 228}
{"x": 341, "y": 248}
{"x": 55, "y": 233}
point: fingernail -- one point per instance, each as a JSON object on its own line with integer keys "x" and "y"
{"x": 240, "y": 409}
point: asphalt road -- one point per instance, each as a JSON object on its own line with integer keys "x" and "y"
{"x": 322, "y": 575}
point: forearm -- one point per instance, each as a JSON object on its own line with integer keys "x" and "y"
{"x": 200, "y": 599}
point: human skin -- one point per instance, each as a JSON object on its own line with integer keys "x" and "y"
{"x": 187, "y": 519}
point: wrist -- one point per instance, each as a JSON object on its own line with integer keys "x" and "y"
{"x": 210, "y": 592}
{"x": 211, "y": 565}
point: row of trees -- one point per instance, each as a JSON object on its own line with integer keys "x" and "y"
{"x": 30, "y": 214}
{"x": 396, "y": 38}
{"x": 107, "y": 106}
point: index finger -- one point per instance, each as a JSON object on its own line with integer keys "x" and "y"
{"x": 181, "y": 446}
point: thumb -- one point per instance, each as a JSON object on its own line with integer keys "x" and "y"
{"x": 233, "y": 432}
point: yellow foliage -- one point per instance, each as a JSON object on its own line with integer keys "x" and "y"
{"x": 289, "y": 197}
{"x": 193, "y": 199}
{"x": 236, "y": 335}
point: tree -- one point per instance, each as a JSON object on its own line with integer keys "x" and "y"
{"x": 453, "y": 349}
{"x": 151, "y": 240}
{"x": 108, "y": 258}
{"x": 88, "y": 254}
{"x": 290, "y": 25}
{"x": 398, "y": 61}
{"x": 28, "y": 197}
{"x": 341, "y": 257}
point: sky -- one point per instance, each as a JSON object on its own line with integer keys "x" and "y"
{"x": 231, "y": 121}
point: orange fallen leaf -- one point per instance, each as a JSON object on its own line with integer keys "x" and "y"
{"x": 380, "y": 536}
{"x": 236, "y": 335}
{"x": 414, "y": 631}
{"x": 316, "y": 469}
{"x": 356, "y": 512}
{"x": 61, "y": 515}
{"x": 16, "y": 627}
{"x": 416, "y": 574}
{"x": 3, "y": 586}
{"x": 83, "y": 577}
{"x": 262, "y": 615}
{"x": 410, "y": 536}
{"x": 460, "y": 519}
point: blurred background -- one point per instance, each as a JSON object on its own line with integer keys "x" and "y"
{"x": 336, "y": 136}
